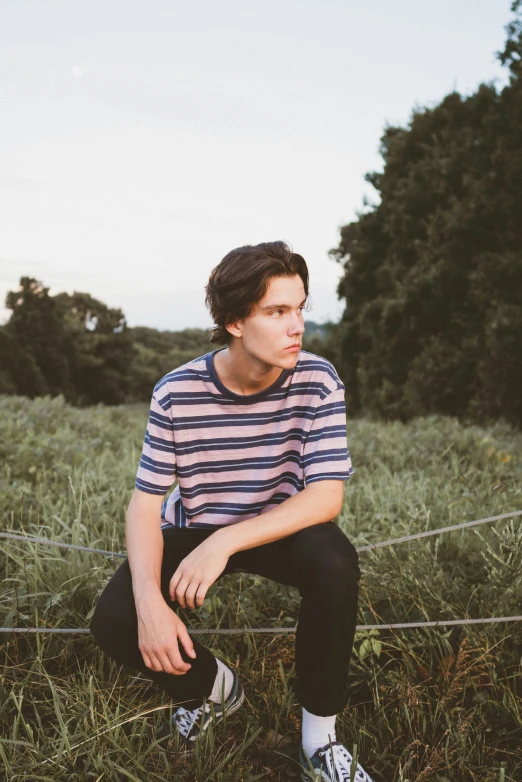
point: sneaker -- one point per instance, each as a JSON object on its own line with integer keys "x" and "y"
{"x": 331, "y": 763}
{"x": 191, "y": 724}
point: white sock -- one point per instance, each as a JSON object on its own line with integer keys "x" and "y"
{"x": 222, "y": 683}
{"x": 317, "y": 731}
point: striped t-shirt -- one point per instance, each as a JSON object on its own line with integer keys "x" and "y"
{"x": 236, "y": 456}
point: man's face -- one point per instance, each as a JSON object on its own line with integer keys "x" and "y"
{"x": 273, "y": 332}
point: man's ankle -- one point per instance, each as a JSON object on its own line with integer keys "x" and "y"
{"x": 223, "y": 683}
{"x": 317, "y": 731}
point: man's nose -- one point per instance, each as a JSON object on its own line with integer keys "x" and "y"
{"x": 296, "y": 325}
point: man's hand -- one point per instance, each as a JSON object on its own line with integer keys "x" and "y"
{"x": 160, "y": 631}
{"x": 198, "y": 571}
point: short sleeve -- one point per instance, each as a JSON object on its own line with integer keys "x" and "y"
{"x": 157, "y": 468}
{"x": 326, "y": 455}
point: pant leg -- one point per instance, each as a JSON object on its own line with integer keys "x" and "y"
{"x": 322, "y": 563}
{"x": 319, "y": 560}
{"x": 114, "y": 624}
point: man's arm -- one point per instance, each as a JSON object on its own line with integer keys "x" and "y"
{"x": 319, "y": 502}
{"x": 159, "y": 628}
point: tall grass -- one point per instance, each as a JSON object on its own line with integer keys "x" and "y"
{"x": 425, "y": 704}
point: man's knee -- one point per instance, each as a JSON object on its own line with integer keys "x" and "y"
{"x": 325, "y": 556}
{"x": 114, "y": 617}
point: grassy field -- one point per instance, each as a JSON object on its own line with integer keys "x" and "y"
{"x": 425, "y": 704}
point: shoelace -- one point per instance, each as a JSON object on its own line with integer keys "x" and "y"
{"x": 339, "y": 761}
{"x": 185, "y": 720}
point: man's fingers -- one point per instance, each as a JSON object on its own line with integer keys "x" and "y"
{"x": 151, "y": 661}
{"x": 147, "y": 660}
{"x": 155, "y": 662}
{"x": 174, "y": 581}
{"x": 186, "y": 641}
{"x": 166, "y": 665}
{"x": 190, "y": 594}
{"x": 183, "y": 589}
{"x": 201, "y": 593}
{"x": 180, "y": 591}
{"x": 174, "y": 663}
{"x": 168, "y": 661}
{"x": 179, "y": 665}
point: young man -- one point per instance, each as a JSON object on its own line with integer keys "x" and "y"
{"x": 255, "y": 434}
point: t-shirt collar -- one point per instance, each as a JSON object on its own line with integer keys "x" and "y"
{"x": 244, "y": 399}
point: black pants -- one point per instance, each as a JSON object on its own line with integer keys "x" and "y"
{"x": 319, "y": 560}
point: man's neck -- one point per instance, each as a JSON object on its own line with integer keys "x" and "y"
{"x": 243, "y": 374}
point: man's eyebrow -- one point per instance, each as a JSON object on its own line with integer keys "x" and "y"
{"x": 280, "y": 306}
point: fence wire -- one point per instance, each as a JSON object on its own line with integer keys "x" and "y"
{"x": 281, "y": 630}
{"x": 368, "y": 547}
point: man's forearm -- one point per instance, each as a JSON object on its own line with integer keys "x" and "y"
{"x": 317, "y": 503}
{"x": 144, "y": 548}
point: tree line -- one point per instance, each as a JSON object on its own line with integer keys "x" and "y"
{"x": 432, "y": 280}
{"x": 77, "y": 346}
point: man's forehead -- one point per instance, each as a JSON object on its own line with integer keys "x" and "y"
{"x": 283, "y": 290}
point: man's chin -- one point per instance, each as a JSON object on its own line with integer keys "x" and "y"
{"x": 289, "y": 361}
{"x": 282, "y": 360}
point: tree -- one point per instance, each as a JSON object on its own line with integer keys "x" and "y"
{"x": 433, "y": 272}
{"x": 511, "y": 56}
{"x": 19, "y": 373}
{"x": 36, "y": 327}
{"x": 98, "y": 348}
{"x": 75, "y": 345}
{"x": 158, "y": 352}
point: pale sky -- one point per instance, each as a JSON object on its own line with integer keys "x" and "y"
{"x": 141, "y": 141}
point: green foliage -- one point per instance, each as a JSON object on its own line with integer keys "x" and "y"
{"x": 433, "y": 273}
{"x": 19, "y": 372}
{"x": 512, "y": 53}
{"x": 426, "y": 704}
{"x": 158, "y": 352}
{"x": 72, "y": 345}
{"x": 36, "y": 327}
{"x": 78, "y": 347}
{"x": 324, "y": 341}
{"x": 98, "y": 348}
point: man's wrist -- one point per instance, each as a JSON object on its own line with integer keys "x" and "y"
{"x": 224, "y": 539}
{"x": 149, "y": 590}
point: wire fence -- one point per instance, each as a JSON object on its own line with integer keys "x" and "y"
{"x": 368, "y": 547}
{"x": 281, "y": 630}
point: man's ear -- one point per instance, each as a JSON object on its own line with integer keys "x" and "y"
{"x": 235, "y": 328}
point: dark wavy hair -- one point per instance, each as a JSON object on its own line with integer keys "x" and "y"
{"x": 241, "y": 279}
